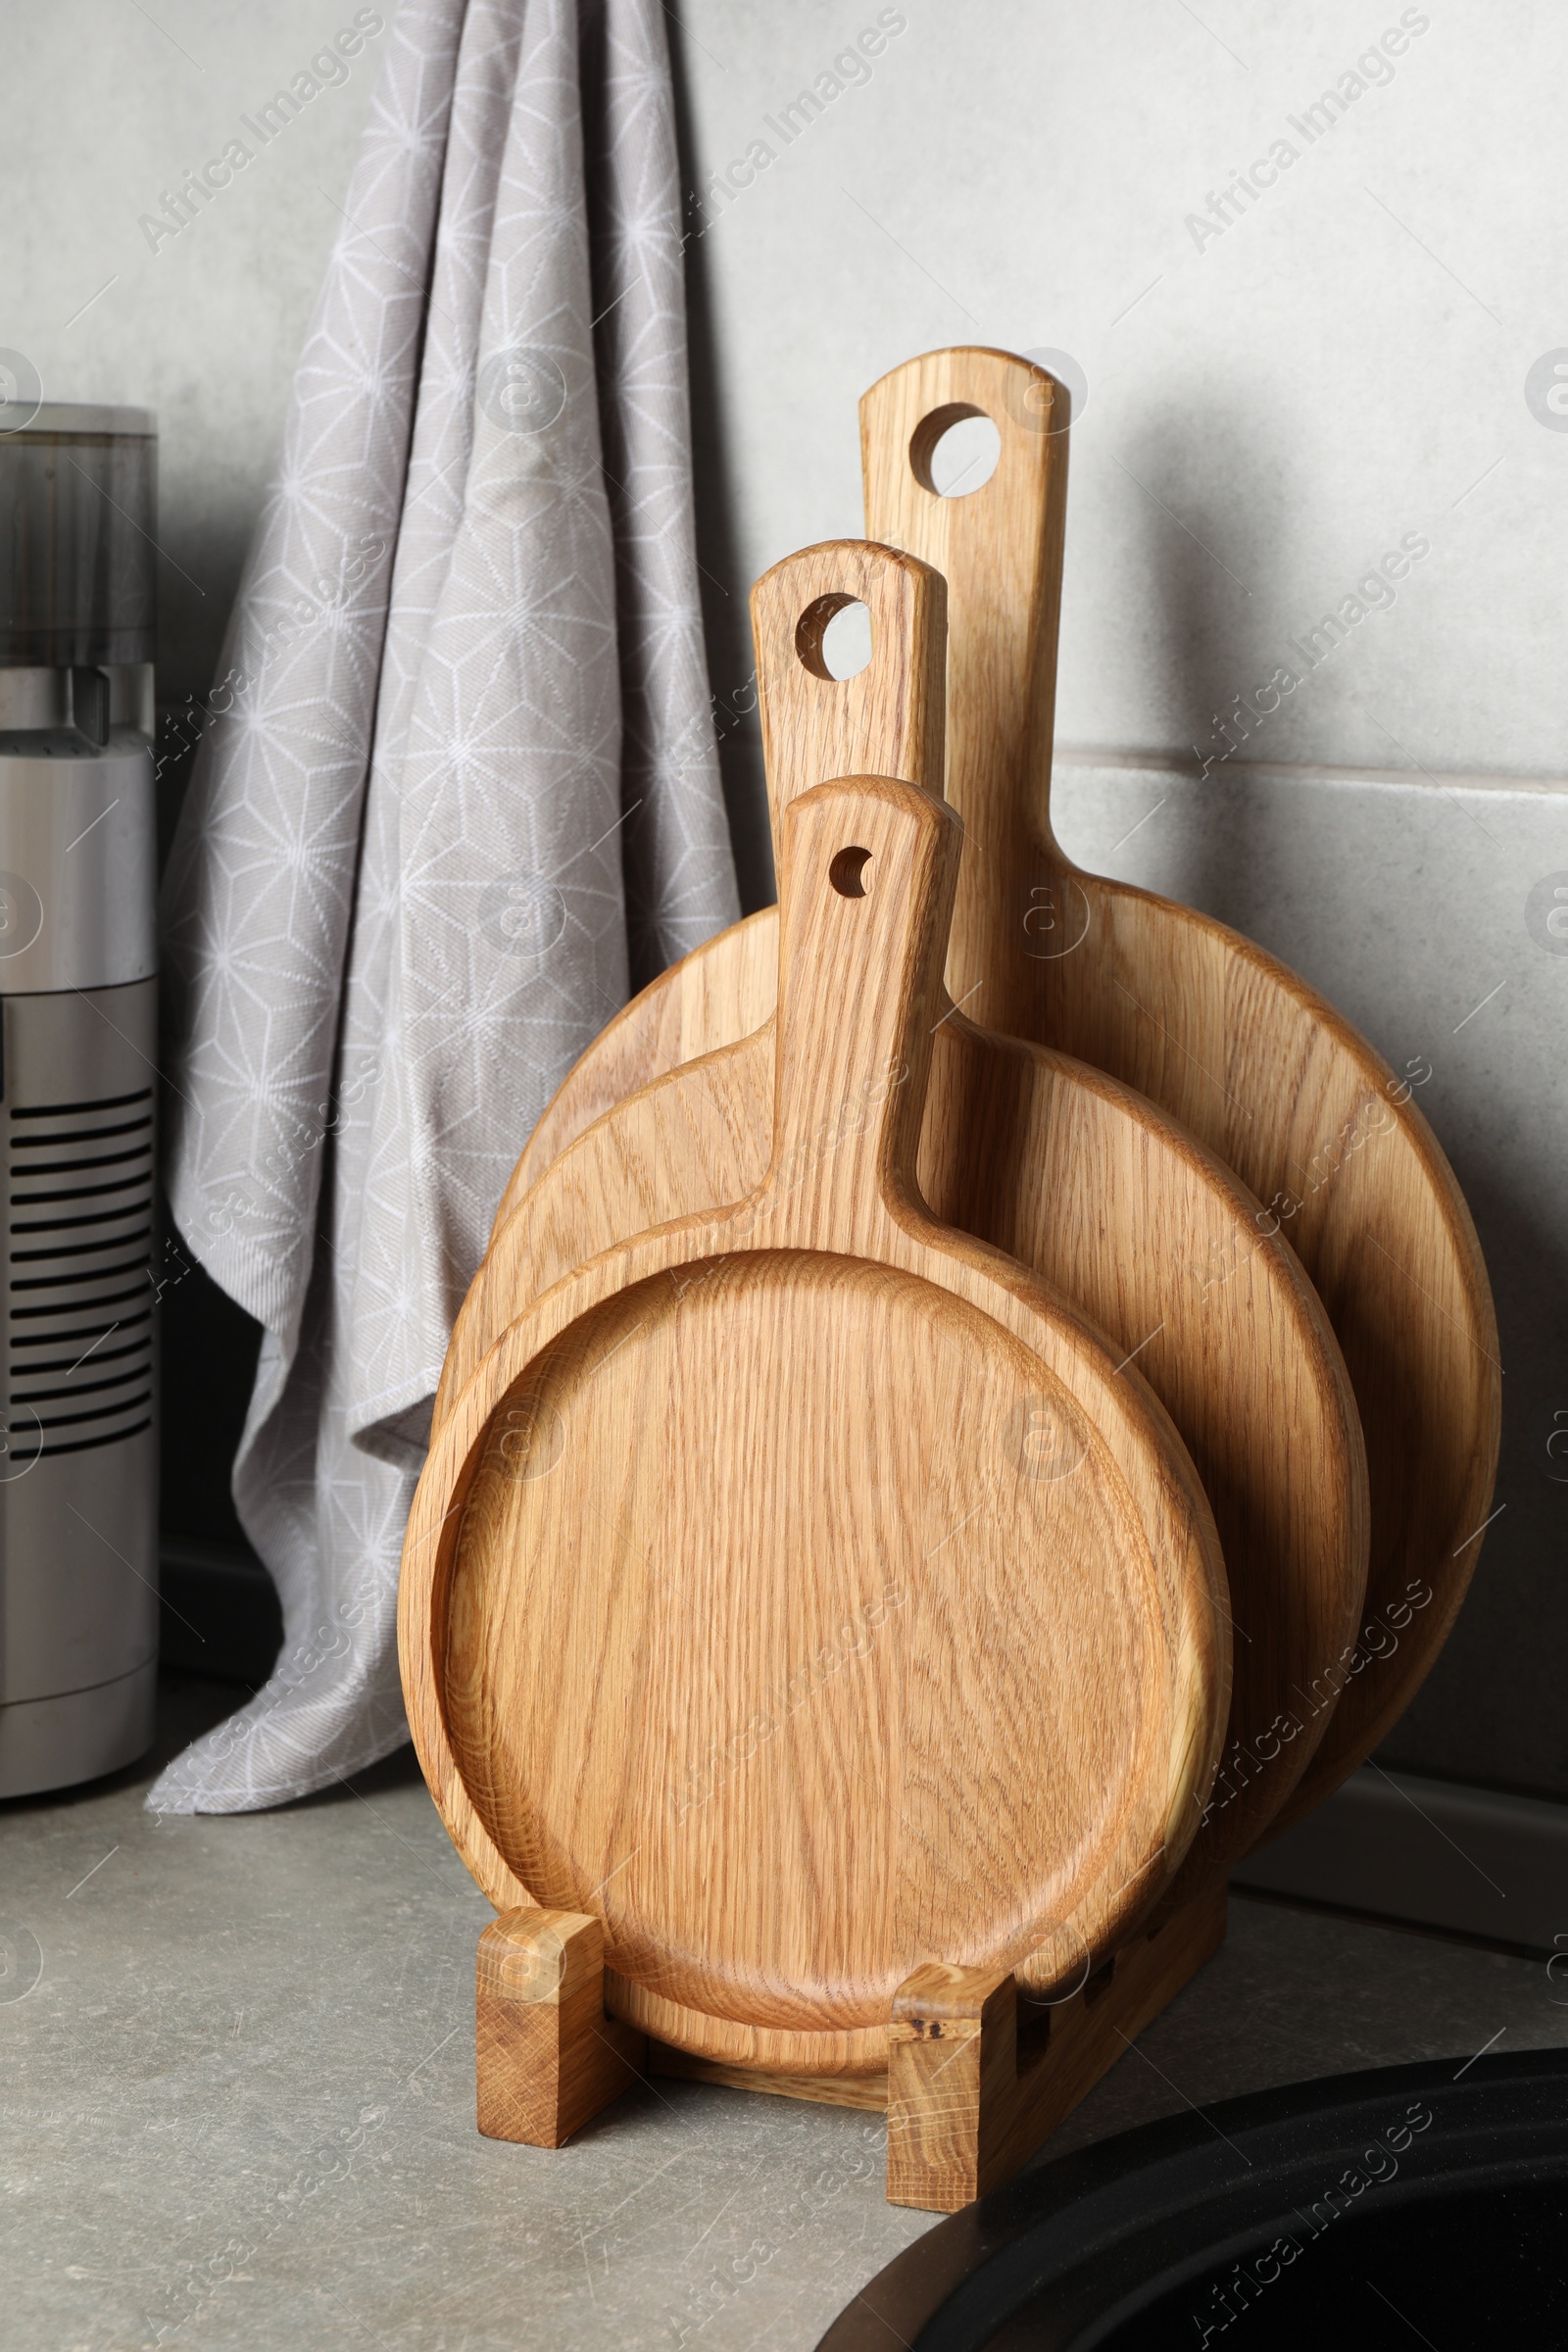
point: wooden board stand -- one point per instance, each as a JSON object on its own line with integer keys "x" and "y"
{"x": 977, "y": 2079}
{"x": 548, "y": 2056}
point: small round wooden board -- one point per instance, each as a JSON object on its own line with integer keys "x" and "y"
{"x": 1098, "y": 1190}
{"x": 803, "y": 1589}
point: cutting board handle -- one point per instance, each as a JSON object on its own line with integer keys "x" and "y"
{"x": 869, "y": 870}
{"x": 1000, "y": 550}
{"x": 888, "y": 719}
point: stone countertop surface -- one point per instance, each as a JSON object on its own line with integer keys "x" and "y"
{"x": 236, "y": 2097}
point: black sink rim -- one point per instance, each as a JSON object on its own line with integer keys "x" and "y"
{"x": 1169, "y": 2199}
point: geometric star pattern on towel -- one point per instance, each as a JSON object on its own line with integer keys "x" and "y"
{"x": 460, "y": 792}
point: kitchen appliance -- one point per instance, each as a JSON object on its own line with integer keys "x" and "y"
{"x": 78, "y": 1433}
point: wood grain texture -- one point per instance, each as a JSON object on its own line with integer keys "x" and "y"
{"x": 547, "y": 2057}
{"x": 973, "y": 2082}
{"x": 1096, "y": 1190}
{"x": 978, "y": 2080}
{"x": 738, "y": 1544}
{"x": 888, "y": 720}
{"x": 869, "y": 2092}
{"x": 1235, "y": 1046}
{"x": 1245, "y": 1055}
{"x": 722, "y": 990}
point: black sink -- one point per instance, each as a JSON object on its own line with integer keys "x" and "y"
{"x": 1418, "y": 2204}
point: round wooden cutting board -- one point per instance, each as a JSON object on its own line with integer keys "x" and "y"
{"x": 802, "y": 1589}
{"x": 1253, "y": 1061}
{"x": 1063, "y": 1167}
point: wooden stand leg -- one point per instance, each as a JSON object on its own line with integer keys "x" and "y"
{"x": 977, "y": 2081}
{"x": 548, "y": 2056}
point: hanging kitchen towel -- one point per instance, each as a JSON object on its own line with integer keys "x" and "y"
{"x": 458, "y": 793}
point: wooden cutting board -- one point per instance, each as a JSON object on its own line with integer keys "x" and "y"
{"x": 1097, "y": 1191}
{"x": 1249, "y": 1057}
{"x": 1245, "y": 1054}
{"x": 740, "y": 1608}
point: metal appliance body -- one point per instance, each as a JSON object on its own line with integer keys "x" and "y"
{"x": 78, "y": 1425}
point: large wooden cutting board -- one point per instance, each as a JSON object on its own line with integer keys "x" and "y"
{"x": 740, "y": 1606}
{"x": 1249, "y": 1057}
{"x": 1099, "y": 1191}
{"x": 1245, "y": 1054}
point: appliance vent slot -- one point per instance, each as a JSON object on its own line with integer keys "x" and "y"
{"x": 79, "y": 1275}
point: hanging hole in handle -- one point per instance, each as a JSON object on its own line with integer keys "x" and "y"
{"x": 846, "y": 873}
{"x": 953, "y": 452}
{"x": 833, "y": 637}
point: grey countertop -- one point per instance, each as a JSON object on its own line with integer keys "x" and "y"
{"x": 236, "y": 2106}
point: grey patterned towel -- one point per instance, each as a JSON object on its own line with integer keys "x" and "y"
{"x": 461, "y": 793}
